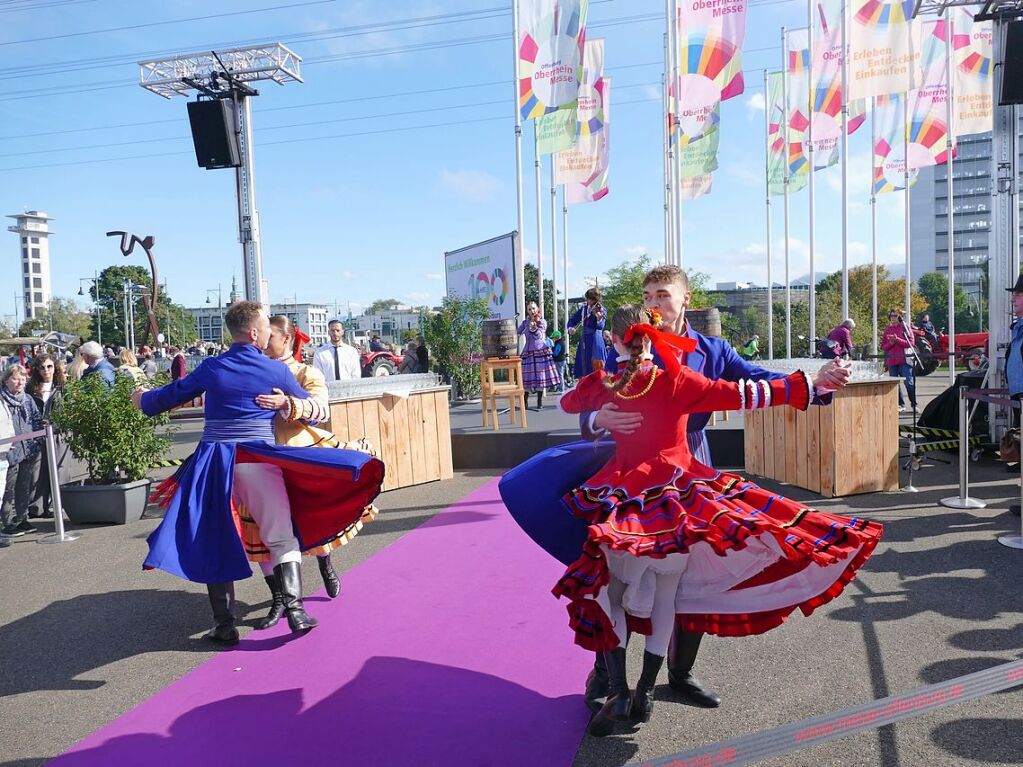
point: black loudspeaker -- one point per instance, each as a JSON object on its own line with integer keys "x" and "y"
{"x": 212, "y": 122}
{"x": 1011, "y": 91}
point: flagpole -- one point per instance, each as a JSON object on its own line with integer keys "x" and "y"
{"x": 767, "y": 199}
{"x": 785, "y": 199}
{"x": 520, "y": 275}
{"x": 539, "y": 216}
{"x": 564, "y": 262}
{"x": 672, "y": 167}
{"x": 676, "y": 74}
{"x": 665, "y": 165}
{"x": 873, "y": 226}
{"x": 845, "y": 160}
{"x": 554, "y": 243}
{"x": 905, "y": 176}
{"x": 950, "y": 172}
{"x": 812, "y": 90}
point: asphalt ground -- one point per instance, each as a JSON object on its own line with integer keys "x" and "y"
{"x": 85, "y": 635}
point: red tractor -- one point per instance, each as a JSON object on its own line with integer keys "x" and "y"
{"x": 376, "y": 364}
{"x": 970, "y": 349}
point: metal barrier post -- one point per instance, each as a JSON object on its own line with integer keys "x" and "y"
{"x": 1015, "y": 541}
{"x": 58, "y": 508}
{"x": 912, "y": 453}
{"x": 963, "y": 500}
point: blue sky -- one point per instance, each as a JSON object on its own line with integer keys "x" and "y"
{"x": 352, "y": 218}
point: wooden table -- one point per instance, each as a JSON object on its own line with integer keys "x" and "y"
{"x": 849, "y": 447}
{"x": 411, "y": 434}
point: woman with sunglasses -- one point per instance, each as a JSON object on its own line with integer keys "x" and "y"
{"x": 46, "y": 386}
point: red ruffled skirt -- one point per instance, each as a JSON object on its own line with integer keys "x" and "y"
{"x": 748, "y": 557}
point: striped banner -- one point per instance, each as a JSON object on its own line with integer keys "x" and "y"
{"x": 928, "y": 104}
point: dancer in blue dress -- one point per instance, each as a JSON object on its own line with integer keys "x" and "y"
{"x": 300, "y": 497}
{"x": 591, "y": 348}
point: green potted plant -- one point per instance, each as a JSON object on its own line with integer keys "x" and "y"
{"x": 116, "y": 442}
{"x": 453, "y": 338}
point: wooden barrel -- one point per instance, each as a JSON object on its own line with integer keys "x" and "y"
{"x": 706, "y": 321}
{"x": 499, "y": 338}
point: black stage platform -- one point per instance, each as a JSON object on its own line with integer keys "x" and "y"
{"x": 475, "y": 447}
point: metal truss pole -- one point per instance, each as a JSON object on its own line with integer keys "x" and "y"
{"x": 248, "y": 216}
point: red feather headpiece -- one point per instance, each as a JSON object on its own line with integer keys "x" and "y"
{"x": 668, "y": 346}
{"x": 300, "y": 340}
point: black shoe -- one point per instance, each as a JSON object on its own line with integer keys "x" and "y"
{"x": 5, "y": 541}
{"x": 330, "y": 579}
{"x": 12, "y": 531}
{"x": 1014, "y": 509}
{"x": 289, "y": 576}
{"x": 222, "y": 601}
{"x": 276, "y": 605}
{"x": 643, "y": 697}
{"x": 539, "y": 400}
{"x": 26, "y": 527}
{"x": 619, "y": 700}
{"x": 596, "y": 685}
{"x": 681, "y": 659}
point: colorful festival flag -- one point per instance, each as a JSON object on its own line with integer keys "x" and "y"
{"x": 553, "y": 33}
{"x": 928, "y": 104}
{"x": 710, "y": 38}
{"x": 889, "y": 145}
{"x": 694, "y": 187}
{"x": 577, "y": 164}
{"x": 596, "y": 186}
{"x": 971, "y": 86}
{"x": 883, "y": 47}
{"x": 698, "y": 139}
{"x": 780, "y": 150}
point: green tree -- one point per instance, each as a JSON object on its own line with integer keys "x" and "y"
{"x": 934, "y": 289}
{"x": 173, "y": 320}
{"x": 739, "y": 327}
{"x": 454, "y": 338}
{"x": 63, "y": 315}
{"x": 382, "y": 305}
{"x": 624, "y": 285}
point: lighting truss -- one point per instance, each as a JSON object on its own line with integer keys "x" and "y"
{"x": 178, "y": 75}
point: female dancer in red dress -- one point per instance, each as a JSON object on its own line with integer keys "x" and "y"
{"x": 671, "y": 540}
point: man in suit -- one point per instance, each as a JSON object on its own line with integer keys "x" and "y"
{"x": 337, "y": 360}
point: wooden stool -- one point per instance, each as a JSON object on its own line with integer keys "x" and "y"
{"x": 491, "y": 390}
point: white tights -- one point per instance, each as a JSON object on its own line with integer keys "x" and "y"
{"x": 662, "y": 618}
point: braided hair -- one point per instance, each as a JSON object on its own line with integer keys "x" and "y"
{"x": 624, "y": 318}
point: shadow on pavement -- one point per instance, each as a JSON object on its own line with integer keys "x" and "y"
{"x": 995, "y": 741}
{"x": 395, "y": 712}
{"x": 49, "y": 649}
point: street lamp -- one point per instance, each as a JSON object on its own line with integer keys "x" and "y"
{"x": 220, "y": 307}
{"x": 95, "y": 300}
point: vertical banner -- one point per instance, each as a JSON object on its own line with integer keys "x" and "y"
{"x": 797, "y": 90}
{"x": 711, "y": 34}
{"x": 883, "y": 47}
{"x": 972, "y": 87}
{"x": 577, "y": 164}
{"x": 596, "y": 186}
{"x": 889, "y": 153}
{"x": 928, "y": 104}
{"x": 779, "y": 147}
{"x": 553, "y": 33}
{"x": 694, "y": 187}
{"x": 827, "y": 93}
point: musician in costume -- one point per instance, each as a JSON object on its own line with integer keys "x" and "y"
{"x": 590, "y": 350}
{"x": 671, "y": 539}
{"x": 538, "y": 371}
{"x": 300, "y": 497}
{"x": 295, "y": 426}
{"x": 532, "y": 491}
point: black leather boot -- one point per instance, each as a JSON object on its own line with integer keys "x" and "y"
{"x": 289, "y": 576}
{"x": 596, "y": 684}
{"x": 539, "y": 400}
{"x": 643, "y": 697}
{"x": 222, "y": 601}
{"x": 619, "y": 700}
{"x": 276, "y": 606}
{"x": 330, "y": 579}
{"x": 681, "y": 659}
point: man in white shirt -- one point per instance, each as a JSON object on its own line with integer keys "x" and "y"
{"x": 337, "y": 360}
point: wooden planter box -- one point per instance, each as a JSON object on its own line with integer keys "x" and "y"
{"x": 850, "y": 447}
{"x": 412, "y": 435}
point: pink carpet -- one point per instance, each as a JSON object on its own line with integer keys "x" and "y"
{"x": 444, "y": 648}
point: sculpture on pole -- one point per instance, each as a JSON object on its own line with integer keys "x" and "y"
{"x": 127, "y": 245}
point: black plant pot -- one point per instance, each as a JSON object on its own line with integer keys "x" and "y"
{"x": 116, "y": 504}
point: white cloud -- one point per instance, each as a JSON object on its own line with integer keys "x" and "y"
{"x": 434, "y": 276}
{"x": 636, "y": 250}
{"x": 471, "y": 185}
{"x": 417, "y": 296}
{"x": 755, "y": 103}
